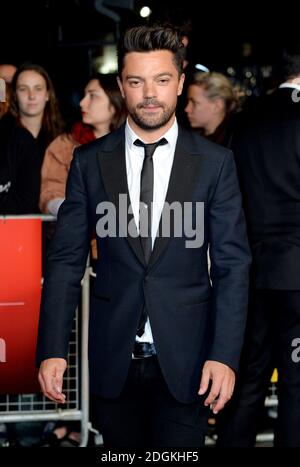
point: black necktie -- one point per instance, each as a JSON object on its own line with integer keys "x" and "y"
{"x": 146, "y": 198}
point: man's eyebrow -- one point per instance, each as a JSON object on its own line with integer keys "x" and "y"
{"x": 165, "y": 73}
{"x": 133, "y": 77}
{"x": 159, "y": 75}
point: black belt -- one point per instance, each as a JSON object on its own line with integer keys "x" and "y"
{"x": 143, "y": 350}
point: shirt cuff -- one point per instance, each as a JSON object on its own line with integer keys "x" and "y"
{"x": 54, "y": 205}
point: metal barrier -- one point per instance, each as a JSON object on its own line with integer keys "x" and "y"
{"x": 35, "y": 407}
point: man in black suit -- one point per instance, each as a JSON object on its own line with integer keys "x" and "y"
{"x": 164, "y": 343}
{"x": 267, "y": 151}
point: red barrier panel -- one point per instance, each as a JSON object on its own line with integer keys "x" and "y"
{"x": 20, "y": 293}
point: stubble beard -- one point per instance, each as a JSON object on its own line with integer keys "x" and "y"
{"x": 151, "y": 122}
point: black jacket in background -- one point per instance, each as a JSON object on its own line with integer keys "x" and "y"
{"x": 19, "y": 169}
{"x": 267, "y": 153}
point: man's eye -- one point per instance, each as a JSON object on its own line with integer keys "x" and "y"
{"x": 163, "y": 80}
{"x": 134, "y": 83}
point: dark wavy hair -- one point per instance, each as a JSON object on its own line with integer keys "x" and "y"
{"x": 289, "y": 66}
{"x": 52, "y": 123}
{"x": 147, "y": 39}
{"x": 110, "y": 86}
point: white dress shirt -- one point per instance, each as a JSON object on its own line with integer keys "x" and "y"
{"x": 290, "y": 86}
{"x": 162, "y": 164}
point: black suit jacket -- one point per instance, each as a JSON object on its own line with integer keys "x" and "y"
{"x": 267, "y": 152}
{"x": 191, "y": 320}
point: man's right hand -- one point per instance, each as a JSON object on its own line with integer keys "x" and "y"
{"x": 51, "y": 378}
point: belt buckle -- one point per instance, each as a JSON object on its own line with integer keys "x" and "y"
{"x": 143, "y": 350}
{"x": 136, "y": 358}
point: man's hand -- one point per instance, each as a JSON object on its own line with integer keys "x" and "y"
{"x": 223, "y": 379}
{"x": 51, "y": 379}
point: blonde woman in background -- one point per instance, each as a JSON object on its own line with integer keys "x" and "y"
{"x": 211, "y": 102}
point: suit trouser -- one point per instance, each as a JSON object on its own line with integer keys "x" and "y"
{"x": 146, "y": 414}
{"x": 273, "y": 324}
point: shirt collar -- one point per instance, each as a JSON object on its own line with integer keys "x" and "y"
{"x": 290, "y": 85}
{"x": 171, "y": 135}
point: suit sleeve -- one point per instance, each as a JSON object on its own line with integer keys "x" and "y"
{"x": 230, "y": 261}
{"x": 65, "y": 267}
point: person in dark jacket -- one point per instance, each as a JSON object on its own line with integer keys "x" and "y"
{"x": 267, "y": 153}
{"x": 34, "y": 105}
{"x": 19, "y": 170}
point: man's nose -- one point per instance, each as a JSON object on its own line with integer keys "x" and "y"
{"x": 150, "y": 90}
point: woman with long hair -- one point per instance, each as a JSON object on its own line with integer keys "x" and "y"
{"x": 102, "y": 110}
{"x": 34, "y": 105}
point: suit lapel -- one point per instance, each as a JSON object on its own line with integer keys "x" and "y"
{"x": 113, "y": 171}
{"x": 180, "y": 188}
{"x": 184, "y": 176}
